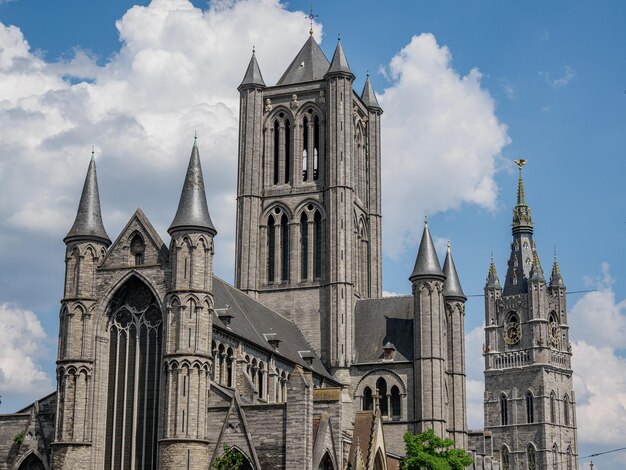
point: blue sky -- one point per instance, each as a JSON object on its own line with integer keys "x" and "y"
{"x": 544, "y": 81}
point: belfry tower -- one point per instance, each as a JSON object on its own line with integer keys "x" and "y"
{"x": 308, "y": 197}
{"x": 529, "y": 392}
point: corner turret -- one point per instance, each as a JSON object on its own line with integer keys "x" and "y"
{"x": 368, "y": 96}
{"x": 339, "y": 63}
{"x": 427, "y": 264}
{"x": 88, "y": 224}
{"x": 253, "y": 77}
{"x": 452, "y": 285}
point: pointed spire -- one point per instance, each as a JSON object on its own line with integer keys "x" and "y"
{"x": 253, "y": 77}
{"x": 88, "y": 223}
{"x": 536, "y": 272}
{"x": 339, "y": 64}
{"x": 556, "y": 280}
{"x": 193, "y": 211}
{"x": 368, "y": 96}
{"x": 492, "y": 277}
{"x": 452, "y": 284}
{"x": 522, "y": 217}
{"x": 310, "y": 64}
{"x": 427, "y": 263}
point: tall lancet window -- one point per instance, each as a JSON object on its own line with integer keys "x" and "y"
{"x": 271, "y": 249}
{"x": 135, "y": 334}
{"x": 316, "y": 148}
{"x": 276, "y": 162}
{"x": 304, "y": 247}
{"x": 287, "y": 150}
{"x": 305, "y": 143}
{"x": 284, "y": 228}
{"x": 317, "y": 248}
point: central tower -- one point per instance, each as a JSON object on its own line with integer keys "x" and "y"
{"x": 308, "y": 197}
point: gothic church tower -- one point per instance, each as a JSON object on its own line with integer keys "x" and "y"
{"x": 308, "y": 238}
{"x": 529, "y": 392}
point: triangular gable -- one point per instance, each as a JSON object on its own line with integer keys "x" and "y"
{"x": 235, "y": 433}
{"x": 323, "y": 440}
{"x": 118, "y": 254}
{"x": 368, "y": 439}
{"x": 377, "y": 444}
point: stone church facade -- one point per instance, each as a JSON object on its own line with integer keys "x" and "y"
{"x": 301, "y": 364}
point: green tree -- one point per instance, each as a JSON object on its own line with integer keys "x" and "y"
{"x": 428, "y": 451}
{"x": 230, "y": 460}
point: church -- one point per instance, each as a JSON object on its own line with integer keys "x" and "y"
{"x": 301, "y": 364}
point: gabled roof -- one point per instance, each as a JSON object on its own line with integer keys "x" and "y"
{"x": 251, "y": 320}
{"x": 309, "y": 65}
{"x": 382, "y": 321}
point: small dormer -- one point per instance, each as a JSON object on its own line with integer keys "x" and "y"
{"x": 308, "y": 357}
{"x": 225, "y": 315}
{"x": 389, "y": 351}
{"x": 273, "y": 339}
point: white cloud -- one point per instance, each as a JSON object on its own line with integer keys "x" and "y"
{"x": 509, "y": 90}
{"x": 599, "y": 367}
{"x": 20, "y": 351}
{"x": 568, "y": 76}
{"x": 441, "y": 139}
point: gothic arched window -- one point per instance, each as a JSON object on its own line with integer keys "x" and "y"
{"x": 276, "y": 161}
{"x": 531, "y": 459}
{"x": 135, "y": 333}
{"x": 368, "y": 401}
{"x": 137, "y": 249}
{"x": 530, "y": 408}
{"x": 271, "y": 250}
{"x": 396, "y": 404}
{"x": 316, "y": 148}
{"x": 552, "y": 407}
{"x": 305, "y": 148}
{"x": 555, "y": 457}
{"x": 566, "y": 407}
{"x": 570, "y": 458}
{"x": 506, "y": 458}
{"x": 317, "y": 248}
{"x": 504, "y": 411}
{"x": 381, "y": 387}
{"x": 260, "y": 381}
{"x": 284, "y": 240}
{"x": 304, "y": 247}
{"x": 229, "y": 367}
{"x": 287, "y": 150}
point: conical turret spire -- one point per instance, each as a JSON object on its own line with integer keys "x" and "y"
{"x": 253, "y": 77}
{"x": 193, "y": 211}
{"x": 492, "y": 276}
{"x": 427, "y": 263}
{"x": 452, "y": 285}
{"x": 556, "y": 280}
{"x": 369, "y": 96}
{"x": 339, "y": 63}
{"x": 88, "y": 223}
{"x": 522, "y": 218}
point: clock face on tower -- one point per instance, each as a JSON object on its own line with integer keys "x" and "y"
{"x": 512, "y": 332}
{"x": 554, "y": 333}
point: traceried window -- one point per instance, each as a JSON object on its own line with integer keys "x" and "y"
{"x": 506, "y": 458}
{"x": 135, "y": 335}
{"x": 531, "y": 459}
{"x": 530, "y": 408}
{"x": 276, "y": 159}
{"x": 316, "y": 148}
{"x": 504, "y": 410}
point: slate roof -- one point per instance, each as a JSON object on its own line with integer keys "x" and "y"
{"x": 339, "y": 63}
{"x": 251, "y": 319}
{"x": 193, "y": 211}
{"x": 253, "y": 75}
{"x": 309, "y": 65}
{"x": 427, "y": 263}
{"x": 368, "y": 96}
{"x": 88, "y": 223}
{"x": 452, "y": 285}
{"x": 379, "y": 321}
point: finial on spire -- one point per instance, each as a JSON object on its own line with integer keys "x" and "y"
{"x": 253, "y": 48}
{"x": 522, "y": 218}
{"x": 338, "y": 36}
{"x": 425, "y": 220}
{"x": 448, "y": 246}
{"x": 195, "y": 138}
{"x": 92, "y": 152}
{"x": 311, "y": 17}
